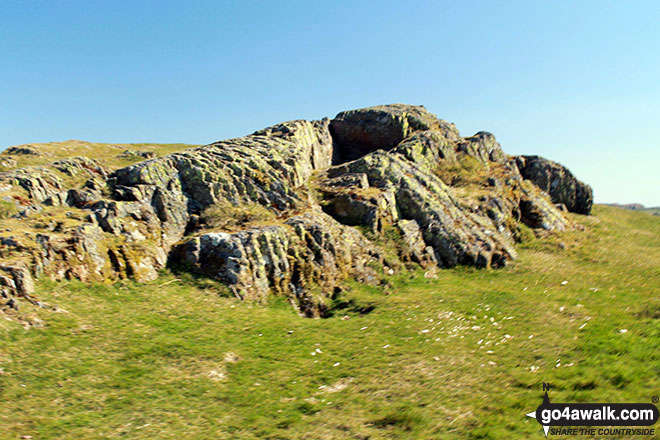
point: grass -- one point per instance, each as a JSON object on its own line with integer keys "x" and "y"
{"x": 109, "y": 155}
{"x": 462, "y": 356}
{"x": 227, "y": 216}
{"x": 7, "y": 209}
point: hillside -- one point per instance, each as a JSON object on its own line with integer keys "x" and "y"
{"x": 160, "y": 291}
{"x": 419, "y": 358}
{"x": 113, "y": 156}
{"x": 637, "y": 207}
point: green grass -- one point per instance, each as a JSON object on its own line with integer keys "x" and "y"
{"x": 109, "y": 155}
{"x": 175, "y": 360}
{"x": 225, "y": 215}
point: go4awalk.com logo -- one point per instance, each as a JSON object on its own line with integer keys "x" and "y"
{"x": 602, "y": 419}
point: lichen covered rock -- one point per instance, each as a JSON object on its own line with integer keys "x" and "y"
{"x": 359, "y": 132}
{"x": 326, "y": 186}
{"x": 295, "y": 258}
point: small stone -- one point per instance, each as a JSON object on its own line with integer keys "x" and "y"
{"x": 12, "y": 304}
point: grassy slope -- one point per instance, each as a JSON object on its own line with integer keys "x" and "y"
{"x": 108, "y": 155}
{"x": 173, "y": 360}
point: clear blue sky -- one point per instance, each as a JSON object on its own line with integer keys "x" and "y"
{"x": 575, "y": 81}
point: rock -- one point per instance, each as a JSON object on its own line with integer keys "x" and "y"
{"x": 29, "y": 211}
{"x": 359, "y": 132}
{"x": 428, "y": 148}
{"x": 388, "y": 171}
{"x": 74, "y": 166}
{"x": 290, "y": 259}
{"x": 415, "y": 249}
{"x": 8, "y": 282}
{"x": 27, "y": 150}
{"x": 39, "y": 182}
{"x": 12, "y": 304}
{"x": 265, "y": 167}
{"x": 82, "y": 197}
{"x": 21, "y": 276}
{"x": 538, "y": 212}
{"x": 57, "y": 199}
{"x": 136, "y": 154}
{"x": 358, "y": 180}
{"x": 359, "y": 204}
{"x": 558, "y": 181}
{"x": 483, "y": 147}
{"x": 456, "y": 237}
{"x": 8, "y": 162}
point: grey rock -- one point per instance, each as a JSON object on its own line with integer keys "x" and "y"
{"x": 21, "y": 276}
{"x": 558, "y": 181}
{"x": 483, "y": 147}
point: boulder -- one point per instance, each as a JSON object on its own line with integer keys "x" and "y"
{"x": 358, "y": 132}
{"x": 483, "y": 147}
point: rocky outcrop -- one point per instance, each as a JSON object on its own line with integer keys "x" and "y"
{"x": 76, "y": 166}
{"x": 38, "y": 182}
{"x": 456, "y": 236}
{"x": 27, "y": 150}
{"x": 558, "y": 181}
{"x": 306, "y": 253}
{"x": 335, "y": 191}
{"x": 20, "y": 282}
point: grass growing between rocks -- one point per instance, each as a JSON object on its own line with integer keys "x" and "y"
{"x": 462, "y": 356}
{"x": 227, "y": 216}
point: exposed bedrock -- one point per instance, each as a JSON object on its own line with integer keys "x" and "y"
{"x": 332, "y": 190}
{"x": 303, "y": 258}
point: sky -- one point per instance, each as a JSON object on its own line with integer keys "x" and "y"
{"x": 575, "y": 81}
